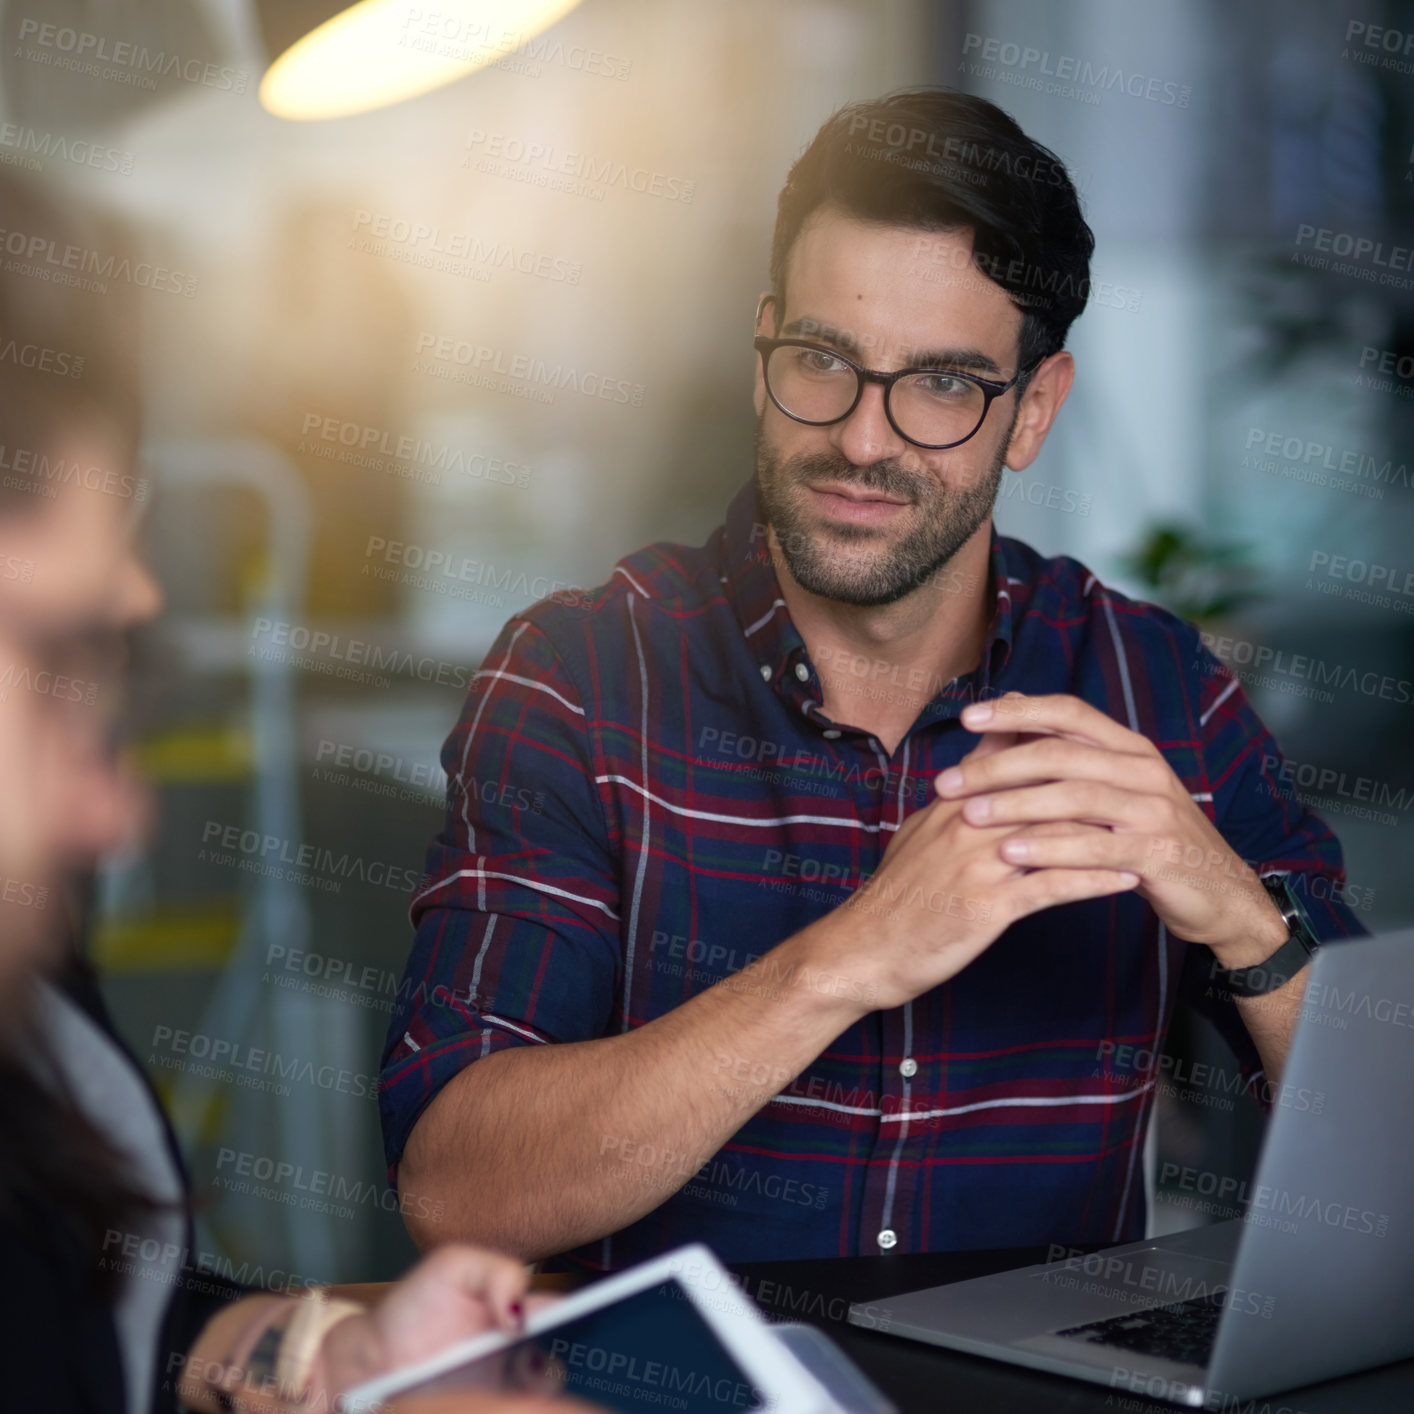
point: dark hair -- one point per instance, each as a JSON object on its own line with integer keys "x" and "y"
{"x": 940, "y": 160}
{"x": 67, "y": 350}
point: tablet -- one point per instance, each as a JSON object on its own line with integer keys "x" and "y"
{"x": 674, "y": 1334}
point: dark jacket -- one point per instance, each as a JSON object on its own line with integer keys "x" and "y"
{"x": 58, "y": 1334}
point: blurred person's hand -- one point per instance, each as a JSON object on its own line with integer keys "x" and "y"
{"x": 455, "y": 1292}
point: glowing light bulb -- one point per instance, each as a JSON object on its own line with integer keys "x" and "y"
{"x": 380, "y": 52}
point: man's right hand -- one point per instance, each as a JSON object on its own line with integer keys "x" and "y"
{"x": 941, "y": 896}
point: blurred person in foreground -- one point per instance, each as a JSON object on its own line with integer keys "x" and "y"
{"x": 870, "y": 850}
{"x": 103, "y": 1309}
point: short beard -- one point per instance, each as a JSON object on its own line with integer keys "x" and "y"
{"x": 820, "y": 561}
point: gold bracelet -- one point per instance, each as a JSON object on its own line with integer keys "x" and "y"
{"x": 315, "y": 1315}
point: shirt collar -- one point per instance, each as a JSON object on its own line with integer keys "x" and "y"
{"x": 751, "y": 585}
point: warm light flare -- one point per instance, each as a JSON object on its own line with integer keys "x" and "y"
{"x": 379, "y": 52}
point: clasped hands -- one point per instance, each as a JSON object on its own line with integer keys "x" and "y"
{"x": 1075, "y": 790}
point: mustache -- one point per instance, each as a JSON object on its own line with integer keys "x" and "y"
{"x": 887, "y": 478}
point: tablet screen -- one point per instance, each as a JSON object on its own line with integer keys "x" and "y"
{"x": 650, "y": 1351}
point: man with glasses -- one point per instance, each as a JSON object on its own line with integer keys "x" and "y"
{"x": 870, "y": 850}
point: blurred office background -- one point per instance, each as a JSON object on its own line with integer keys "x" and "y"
{"x": 337, "y": 419}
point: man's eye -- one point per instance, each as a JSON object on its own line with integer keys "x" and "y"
{"x": 818, "y": 361}
{"x": 944, "y": 386}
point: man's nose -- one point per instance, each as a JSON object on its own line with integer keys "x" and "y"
{"x": 867, "y": 435}
{"x": 138, "y": 597}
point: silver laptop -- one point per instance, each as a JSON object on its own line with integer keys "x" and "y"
{"x": 1315, "y": 1280}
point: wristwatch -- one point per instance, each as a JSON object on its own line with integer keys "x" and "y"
{"x": 1288, "y": 959}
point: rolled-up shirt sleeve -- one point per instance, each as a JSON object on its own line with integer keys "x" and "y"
{"x": 517, "y": 919}
{"x": 1261, "y": 816}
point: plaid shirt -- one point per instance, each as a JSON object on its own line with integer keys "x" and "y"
{"x": 644, "y": 794}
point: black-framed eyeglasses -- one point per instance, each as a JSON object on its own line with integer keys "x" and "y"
{"x": 934, "y": 408}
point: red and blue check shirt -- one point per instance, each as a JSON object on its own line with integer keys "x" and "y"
{"x": 645, "y": 794}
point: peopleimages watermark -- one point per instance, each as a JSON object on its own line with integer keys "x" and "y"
{"x": 1267, "y": 1206}
{"x": 251, "y": 1067}
{"x": 40, "y": 257}
{"x": 378, "y": 772}
{"x": 24, "y": 893}
{"x": 1299, "y": 459}
{"x": 402, "y": 455}
{"x": 1396, "y": 371}
{"x": 1111, "y": 1274}
{"x": 120, "y": 61}
{"x": 753, "y": 1080}
{"x": 26, "y": 678}
{"x": 520, "y": 374}
{"x": 1181, "y": 1392}
{"x": 379, "y": 988}
{"x": 589, "y": 175}
{"x": 1122, "y": 1058}
{"x": 1327, "y": 1005}
{"x": 919, "y": 147}
{"x": 471, "y": 41}
{"x": 718, "y": 1180}
{"x": 1327, "y": 789}
{"x": 37, "y": 472}
{"x": 1221, "y": 871}
{"x": 1298, "y": 673}
{"x": 677, "y": 955}
{"x": 872, "y": 893}
{"x": 446, "y": 573}
{"x": 772, "y": 762}
{"x": 314, "y": 866}
{"x": 756, "y": 974}
{"x": 1379, "y": 46}
{"x": 29, "y": 148}
{"x": 1027, "y": 282}
{"x": 1370, "y": 259}
{"x": 1363, "y": 581}
{"x": 1064, "y": 75}
{"x": 339, "y": 655}
{"x": 1038, "y": 493}
{"x": 123, "y": 1250}
{"x": 455, "y": 252}
{"x": 609, "y": 1370}
{"x": 239, "y": 1171}
{"x": 40, "y": 358}
{"x": 15, "y": 568}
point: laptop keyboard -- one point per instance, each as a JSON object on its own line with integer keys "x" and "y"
{"x": 1183, "y": 1331}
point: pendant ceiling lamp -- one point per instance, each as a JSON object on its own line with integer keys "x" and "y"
{"x": 335, "y": 60}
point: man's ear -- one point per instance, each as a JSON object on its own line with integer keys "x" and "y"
{"x": 1040, "y": 403}
{"x": 765, "y": 328}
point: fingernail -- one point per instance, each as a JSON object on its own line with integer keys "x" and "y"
{"x": 950, "y": 780}
{"x": 518, "y": 1311}
{"x": 1016, "y": 849}
{"x": 977, "y": 712}
{"x": 1128, "y": 877}
{"x": 978, "y": 809}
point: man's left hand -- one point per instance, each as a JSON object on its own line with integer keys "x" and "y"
{"x": 1093, "y": 794}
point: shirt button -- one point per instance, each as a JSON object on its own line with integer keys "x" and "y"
{"x": 830, "y": 733}
{"x": 766, "y": 672}
{"x": 908, "y": 1067}
{"x": 802, "y": 672}
{"x": 887, "y": 1239}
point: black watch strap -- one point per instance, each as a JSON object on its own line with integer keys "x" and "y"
{"x": 1287, "y": 960}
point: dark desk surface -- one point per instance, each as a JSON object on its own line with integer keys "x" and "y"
{"x": 924, "y": 1378}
